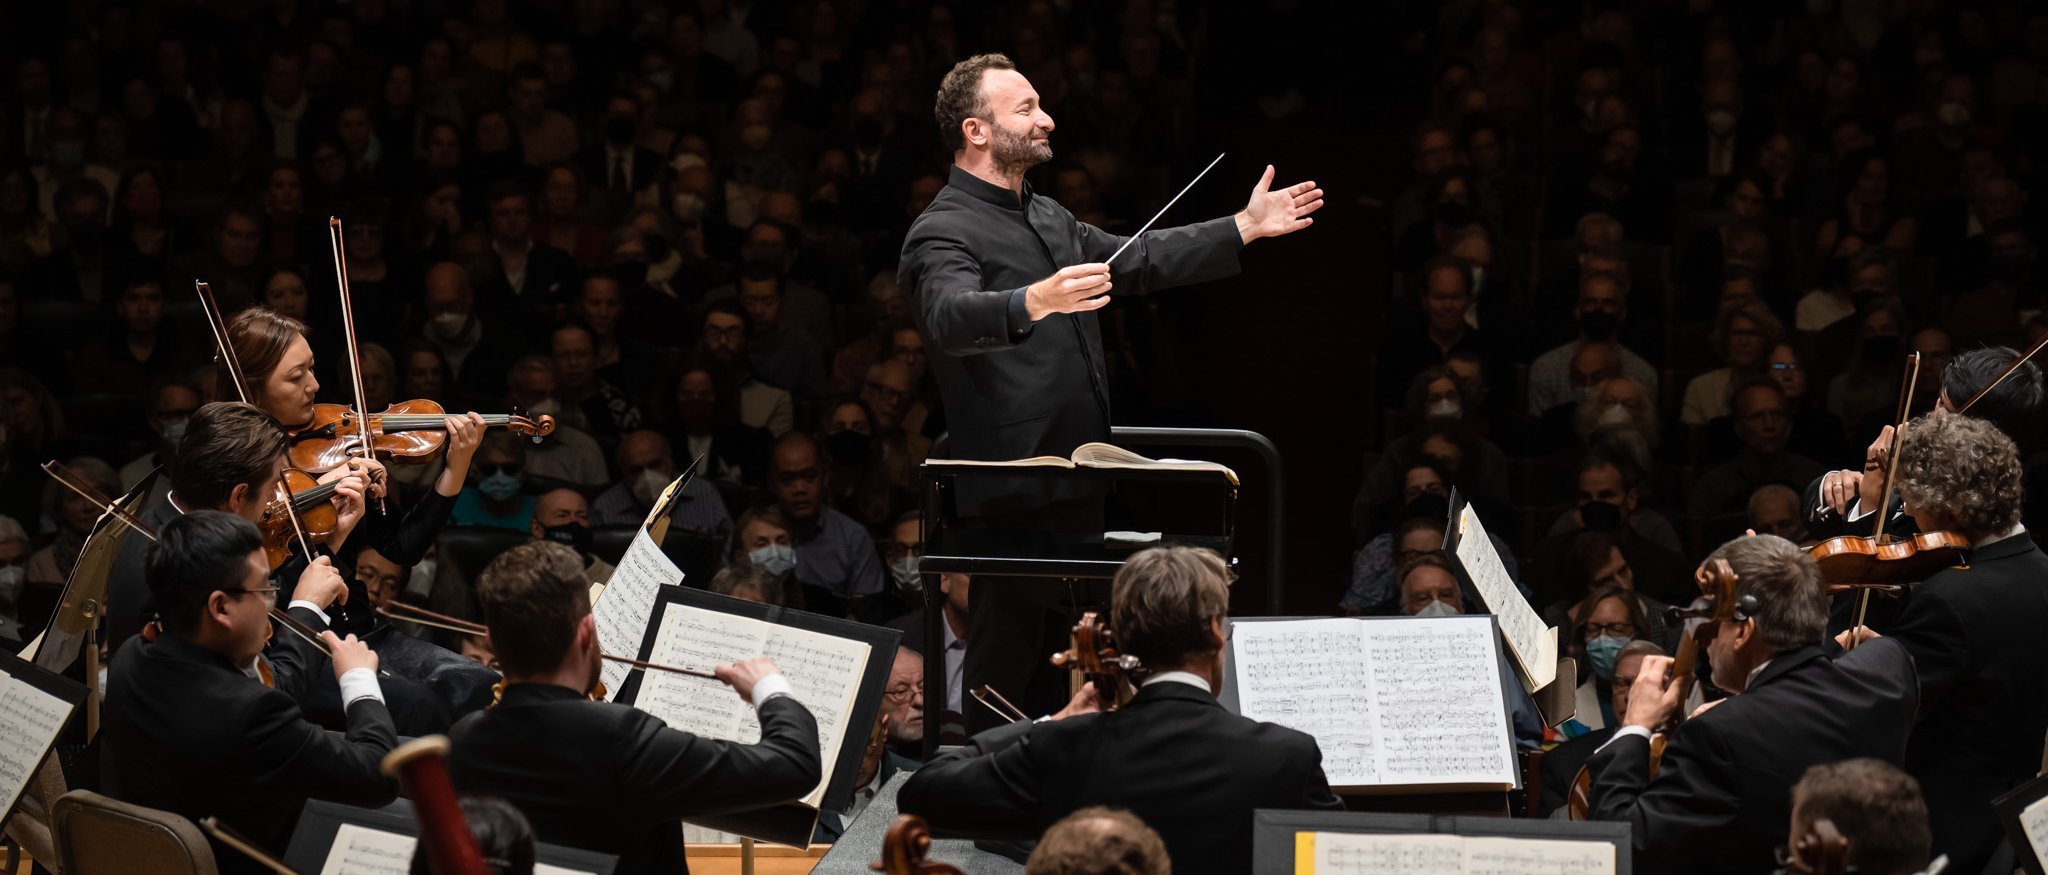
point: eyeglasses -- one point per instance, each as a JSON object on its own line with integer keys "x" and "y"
{"x": 487, "y": 469}
{"x": 1622, "y": 630}
{"x": 894, "y": 395}
{"x": 1787, "y": 366}
{"x": 269, "y": 593}
{"x": 903, "y": 691}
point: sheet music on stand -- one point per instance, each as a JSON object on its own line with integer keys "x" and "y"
{"x": 35, "y": 703}
{"x": 2024, "y": 813}
{"x": 336, "y": 839}
{"x": 1532, "y": 642}
{"x": 623, "y": 605}
{"x": 836, "y": 668}
{"x": 1358, "y": 843}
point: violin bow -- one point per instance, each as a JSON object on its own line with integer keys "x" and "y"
{"x": 409, "y": 613}
{"x": 1884, "y": 503}
{"x": 75, "y": 483}
{"x": 366, "y": 434}
{"x": 224, "y": 352}
{"x": 988, "y": 696}
{"x": 2009, "y": 369}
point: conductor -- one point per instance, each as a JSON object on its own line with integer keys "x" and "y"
{"x": 1006, "y": 283}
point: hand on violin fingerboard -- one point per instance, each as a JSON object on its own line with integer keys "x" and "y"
{"x": 1849, "y": 638}
{"x": 1087, "y": 701}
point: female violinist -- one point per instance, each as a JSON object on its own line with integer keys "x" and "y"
{"x": 277, "y": 369}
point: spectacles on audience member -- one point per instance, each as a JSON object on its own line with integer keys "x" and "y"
{"x": 1624, "y": 630}
{"x": 487, "y": 469}
{"x": 901, "y": 692}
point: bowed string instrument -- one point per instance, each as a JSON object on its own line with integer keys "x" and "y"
{"x": 1877, "y": 563}
{"x": 401, "y": 612}
{"x": 407, "y": 431}
{"x": 70, "y": 480}
{"x": 1094, "y": 654}
{"x": 1716, "y": 604}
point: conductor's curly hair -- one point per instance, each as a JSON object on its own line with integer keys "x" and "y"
{"x": 1963, "y": 470}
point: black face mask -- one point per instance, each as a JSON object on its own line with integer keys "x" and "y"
{"x": 1427, "y": 506}
{"x": 1598, "y": 325}
{"x": 575, "y": 535}
{"x": 1600, "y": 516}
{"x": 867, "y": 132}
{"x": 619, "y": 130}
{"x": 848, "y": 448}
{"x": 1861, "y": 299}
{"x": 1454, "y": 214}
{"x": 1880, "y": 350}
{"x": 2010, "y": 269}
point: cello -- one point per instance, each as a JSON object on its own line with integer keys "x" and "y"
{"x": 904, "y": 848}
{"x": 1716, "y": 603}
{"x": 1095, "y": 656}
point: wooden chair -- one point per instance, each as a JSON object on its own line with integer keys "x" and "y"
{"x": 96, "y": 834}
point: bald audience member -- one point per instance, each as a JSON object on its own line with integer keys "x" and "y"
{"x": 1774, "y": 510}
{"x": 835, "y": 556}
{"x": 563, "y": 516}
{"x": 478, "y": 350}
{"x": 646, "y": 467}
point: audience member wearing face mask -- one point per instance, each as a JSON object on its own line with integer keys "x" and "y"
{"x": 646, "y": 467}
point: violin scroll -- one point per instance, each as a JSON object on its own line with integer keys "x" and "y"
{"x": 904, "y": 848}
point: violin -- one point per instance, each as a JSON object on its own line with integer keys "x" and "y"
{"x": 408, "y": 431}
{"x": 1715, "y": 604}
{"x": 1095, "y": 656}
{"x": 904, "y": 848}
{"x": 303, "y": 513}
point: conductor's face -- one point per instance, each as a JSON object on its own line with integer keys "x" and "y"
{"x": 1017, "y": 131}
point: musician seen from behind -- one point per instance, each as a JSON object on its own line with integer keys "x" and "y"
{"x": 1099, "y": 841}
{"x": 599, "y": 776}
{"x": 190, "y": 731}
{"x": 1004, "y": 284}
{"x": 1720, "y": 801}
{"x": 1974, "y": 633}
{"x": 1172, "y": 755}
{"x": 1875, "y": 811}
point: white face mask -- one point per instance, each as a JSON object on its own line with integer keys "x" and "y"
{"x": 1437, "y": 609}
{"x": 448, "y": 325}
{"x": 1446, "y": 408}
{"x": 11, "y": 580}
{"x": 648, "y": 486}
{"x": 687, "y": 207}
{"x": 904, "y": 569}
{"x": 420, "y": 582}
{"x": 776, "y": 559}
{"x": 1615, "y": 414}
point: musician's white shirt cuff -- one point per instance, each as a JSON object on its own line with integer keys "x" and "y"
{"x": 359, "y": 683}
{"x": 768, "y": 688}
{"x": 1624, "y": 732}
{"x": 1854, "y": 511}
{"x": 309, "y": 605}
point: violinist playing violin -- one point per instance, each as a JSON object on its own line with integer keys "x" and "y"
{"x": 277, "y": 367}
{"x": 1719, "y": 800}
{"x": 189, "y": 731}
{"x": 1168, "y": 606}
{"x": 1974, "y": 633}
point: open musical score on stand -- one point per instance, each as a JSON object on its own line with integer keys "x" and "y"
{"x": 336, "y": 839}
{"x": 35, "y": 703}
{"x": 1357, "y": 843}
{"x": 836, "y": 668}
{"x": 1395, "y": 703}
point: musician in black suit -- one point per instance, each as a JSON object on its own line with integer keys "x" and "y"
{"x": 1172, "y": 755}
{"x": 1974, "y": 633}
{"x": 1006, "y": 283}
{"x": 190, "y": 726}
{"x": 1720, "y": 802}
{"x": 610, "y": 778}
{"x": 1561, "y": 763}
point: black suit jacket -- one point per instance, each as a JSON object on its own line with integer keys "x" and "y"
{"x": 1014, "y": 388}
{"x": 1561, "y": 766}
{"x": 1173, "y": 756}
{"x": 1723, "y": 797}
{"x": 187, "y": 732}
{"x": 1975, "y": 635}
{"x": 617, "y": 780}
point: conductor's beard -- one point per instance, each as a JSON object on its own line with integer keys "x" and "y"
{"x": 1016, "y": 152}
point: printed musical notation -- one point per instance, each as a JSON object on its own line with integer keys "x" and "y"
{"x": 360, "y": 850}
{"x": 2034, "y": 823}
{"x": 824, "y": 674}
{"x": 1388, "y": 702}
{"x": 1331, "y": 853}
{"x": 1533, "y": 644}
{"x": 622, "y": 610}
{"x": 29, "y": 721}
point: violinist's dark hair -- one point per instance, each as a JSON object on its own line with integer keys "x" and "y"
{"x": 1792, "y": 601}
{"x": 195, "y": 555}
{"x": 259, "y": 337}
{"x": 226, "y": 444}
{"x": 532, "y": 597}
{"x": 502, "y": 834}
{"x": 960, "y": 97}
{"x": 1162, "y": 600}
{"x": 2014, "y": 407}
{"x": 1099, "y": 841}
{"x": 1876, "y": 806}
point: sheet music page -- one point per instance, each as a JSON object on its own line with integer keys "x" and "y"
{"x": 360, "y": 850}
{"x": 824, "y": 674}
{"x": 1342, "y": 853}
{"x": 622, "y": 610}
{"x": 1309, "y": 675}
{"x": 1493, "y": 855}
{"x": 1533, "y": 644}
{"x": 1437, "y": 702}
{"x": 2034, "y": 822}
{"x": 540, "y": 868}
{"x": 29, "y": 720}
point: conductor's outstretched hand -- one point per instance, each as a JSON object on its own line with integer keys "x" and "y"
{"x": 1073, "y": 289}
{"x": 1272, "y": 212}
